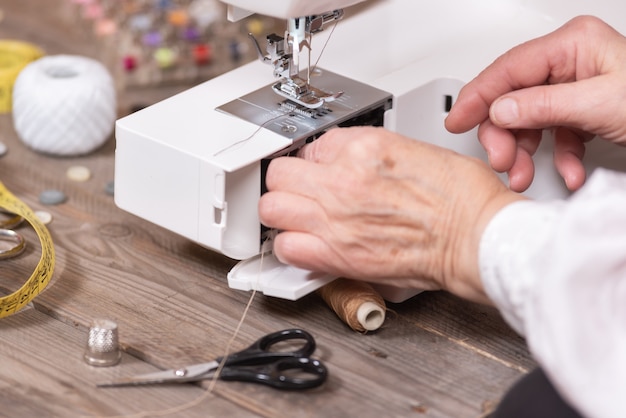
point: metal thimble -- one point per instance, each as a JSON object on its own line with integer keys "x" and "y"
{"x": 103, "y": 344}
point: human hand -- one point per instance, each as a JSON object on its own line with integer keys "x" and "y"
{"x": 366, "y": 203}
{"x": 572, "y": 80}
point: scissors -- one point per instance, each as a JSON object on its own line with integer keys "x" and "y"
{"x": 7, "y": 234}
{"x": 289, "y": 370}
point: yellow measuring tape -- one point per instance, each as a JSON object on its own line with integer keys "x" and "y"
{"x": 43, "y": 272}
{"x": 14, "y": 56}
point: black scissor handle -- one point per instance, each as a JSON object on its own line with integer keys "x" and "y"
{"x": 290, "y": 373}
{"x": 260, "y": 352}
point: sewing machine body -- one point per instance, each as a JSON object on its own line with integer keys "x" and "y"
{"x": 194, "y": 163}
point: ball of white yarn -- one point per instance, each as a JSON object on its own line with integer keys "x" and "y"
{"x": 64, "y": 105}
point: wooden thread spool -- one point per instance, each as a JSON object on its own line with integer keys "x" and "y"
{"x": 356, "y": 303}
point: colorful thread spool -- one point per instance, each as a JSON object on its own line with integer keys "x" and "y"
{"x": 129, "y": 63}
{"x": 178, "y": 17}
{"x": 165, "y": 57}
{"x": 201, "y": 54}
{"x": 152, "y": 39}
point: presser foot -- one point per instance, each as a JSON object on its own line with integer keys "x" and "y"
{"x": 307, "y": 96}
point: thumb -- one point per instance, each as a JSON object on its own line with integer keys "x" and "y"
{"x": 582, "y": 105}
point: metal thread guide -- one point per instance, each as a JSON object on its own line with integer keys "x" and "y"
{"x": 284, "y": 56}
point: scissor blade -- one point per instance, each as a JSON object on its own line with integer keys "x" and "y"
{"x": 181, "y": 375}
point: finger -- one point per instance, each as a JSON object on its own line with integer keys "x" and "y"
{"x": 290, "y": 174}
{"x": 524, "y": 66}
{"x": 325, "y": 148}
{"x": 529, "y": 139}
{"x": 569, "y": 149}
{"x": 553, "y": 58}
{"x": 330, "y": 145}
{"x": 522, "y": 172}
{"x": 303, "y": 250}
{"x": 555, "y": 105}
{"x": 288, "y": 211}
{"x": 500, "y": 145}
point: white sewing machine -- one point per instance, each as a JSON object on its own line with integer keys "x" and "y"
{"x": 195, "y": 163}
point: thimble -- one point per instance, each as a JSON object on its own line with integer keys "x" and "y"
{"x": 103, "y": 344}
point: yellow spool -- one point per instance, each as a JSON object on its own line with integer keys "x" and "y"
{"x": 14, "y": 56}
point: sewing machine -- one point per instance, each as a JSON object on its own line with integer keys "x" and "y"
{"x": 195, "y": 163}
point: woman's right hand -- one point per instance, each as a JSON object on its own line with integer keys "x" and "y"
{"x": 572, "y": 80}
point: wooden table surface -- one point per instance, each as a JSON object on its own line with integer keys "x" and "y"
{"x": 435, "y": 356}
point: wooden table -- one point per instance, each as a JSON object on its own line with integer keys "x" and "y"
{"x": 436, "y": 355}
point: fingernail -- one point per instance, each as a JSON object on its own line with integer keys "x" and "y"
{"x": 505, "y": 111}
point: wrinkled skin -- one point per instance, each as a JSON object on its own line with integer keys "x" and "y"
{"x": 572, "y": 81}
{"x": 370, "y": 204}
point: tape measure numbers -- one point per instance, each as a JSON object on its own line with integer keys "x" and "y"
{"x": 40, "y": 278}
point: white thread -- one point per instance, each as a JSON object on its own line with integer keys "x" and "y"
{"x": 64, "y": 105}
{"x": 324, "y": 47}
{"x": 216, "y": 376}
{"x": 241, "y": 141}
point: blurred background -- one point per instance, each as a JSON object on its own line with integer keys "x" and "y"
{"x": 152, "y": 48}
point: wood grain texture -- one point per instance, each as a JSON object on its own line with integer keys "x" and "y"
{"x": 435, "y": 356}
{"x": 42, "y": 375}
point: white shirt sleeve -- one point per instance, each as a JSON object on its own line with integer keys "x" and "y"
{"x": 557, "y": 272}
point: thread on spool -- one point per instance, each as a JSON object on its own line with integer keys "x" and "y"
{"x": 356, "y": 303}
{"x": 64, "y": 105}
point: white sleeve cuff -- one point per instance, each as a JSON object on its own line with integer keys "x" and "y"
{"x": 503, "y": 267}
